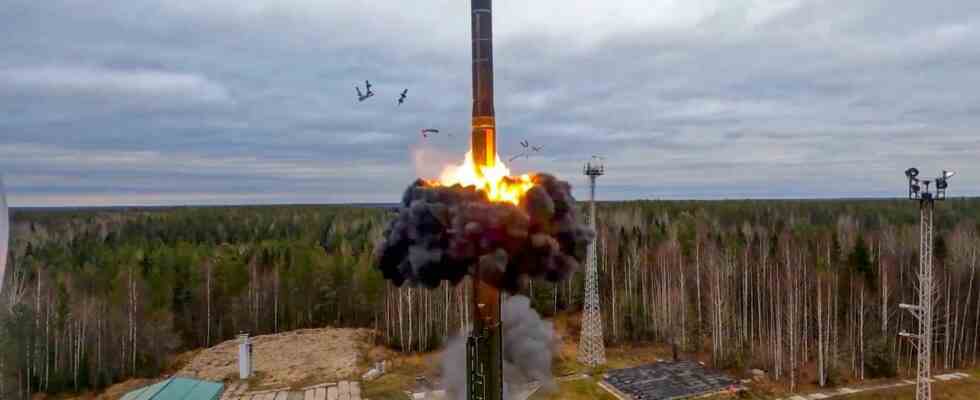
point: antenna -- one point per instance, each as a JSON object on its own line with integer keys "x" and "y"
{"x": 591, "y": 350}
{"x": 919, "y": 190}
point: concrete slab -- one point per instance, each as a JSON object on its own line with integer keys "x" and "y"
{"x": 612, "y": 390}
{"x": 569, "y": 378}
{"x": 343, "y": 390}
{"x": 323, "y": 394}
{"x": 355, "y": 391}
{"x": 331, "y": 393}
{"x": 667, "y": 380}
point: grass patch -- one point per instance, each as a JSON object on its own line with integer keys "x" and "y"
{"x": 400, "y": 377}
{"x": 388, "y": 387}
{"x": 746, "y": 395}
{"x": 582, "y": 389}
{"x": 967, "y": 389}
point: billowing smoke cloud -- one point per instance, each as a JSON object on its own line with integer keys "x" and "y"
{"x": 528, "y": 343}
{"x": 442, "y": 233}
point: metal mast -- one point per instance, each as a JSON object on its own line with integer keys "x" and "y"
{"x": 591, "y": 350}
{"x": 923, "y": 311}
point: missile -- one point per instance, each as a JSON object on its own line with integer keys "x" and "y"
{"x": 483, "y": 141}
{"x": 484, "y": 346}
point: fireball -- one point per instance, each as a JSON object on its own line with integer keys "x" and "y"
{"x": 494, "y": 180}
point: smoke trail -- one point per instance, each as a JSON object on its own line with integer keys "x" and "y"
{"x": 4, "y": 232}
{"x": 528, "y": 344}
{"x": 441, "y": 233}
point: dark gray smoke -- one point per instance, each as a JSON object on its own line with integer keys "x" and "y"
{"x": 528, "y": 343}
{"x": 442, "y": 233}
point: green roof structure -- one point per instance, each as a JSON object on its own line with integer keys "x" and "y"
{"x": 178, "y": 389}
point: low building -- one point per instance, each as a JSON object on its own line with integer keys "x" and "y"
{"x": 178, "y": 389}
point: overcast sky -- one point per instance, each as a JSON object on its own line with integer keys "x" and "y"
{"x": 245, "y": 101}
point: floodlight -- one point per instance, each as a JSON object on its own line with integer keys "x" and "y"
{"x": 941, "y": 184}
{"x": 948, "y": 174}
{"x": 912, "y": 173}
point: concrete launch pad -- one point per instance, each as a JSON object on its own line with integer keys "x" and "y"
{"x": 667, "y": 381}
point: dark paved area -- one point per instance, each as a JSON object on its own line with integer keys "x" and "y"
{"x": 667, "y": 380}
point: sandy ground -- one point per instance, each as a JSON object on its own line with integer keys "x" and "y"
{"x": 287, "y": 359}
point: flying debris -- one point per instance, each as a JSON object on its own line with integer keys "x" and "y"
{"x": 528, "y": 149}
{"x": 427, "y": 131}
{"x": 401, "y": 99}
{"x": 4, "y": 233}
{"x": 368, "y": 92}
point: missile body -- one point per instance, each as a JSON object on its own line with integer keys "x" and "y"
{"x": 484, "y": 346}
{"x": 483, "y": 142}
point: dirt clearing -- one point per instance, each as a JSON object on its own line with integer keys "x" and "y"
{"x": 287, "y": 359}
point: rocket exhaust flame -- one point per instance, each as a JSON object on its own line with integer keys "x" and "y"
{"x": 493, "y": 179}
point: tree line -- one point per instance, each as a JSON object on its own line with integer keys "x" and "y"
{"x": 791, "y": 287}
{"x": 807, "y": 290}
{"x": 96, "y": 297}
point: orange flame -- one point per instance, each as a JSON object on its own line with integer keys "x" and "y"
{"x": 495, "y": 181}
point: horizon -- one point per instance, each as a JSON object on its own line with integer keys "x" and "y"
{"x": 395, "y": 203}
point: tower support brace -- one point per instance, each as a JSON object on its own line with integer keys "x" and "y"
{"x": 591, "y": 349}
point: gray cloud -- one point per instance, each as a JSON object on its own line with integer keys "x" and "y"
{"x": 160, "y": 102}
{"x": 85, "y": 81}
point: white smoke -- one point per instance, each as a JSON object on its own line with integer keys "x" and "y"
{"x": 528, "y": 344}
{"x": 429, "y": 161}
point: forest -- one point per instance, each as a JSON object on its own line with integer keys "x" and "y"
{"x": 805, "y": 289}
